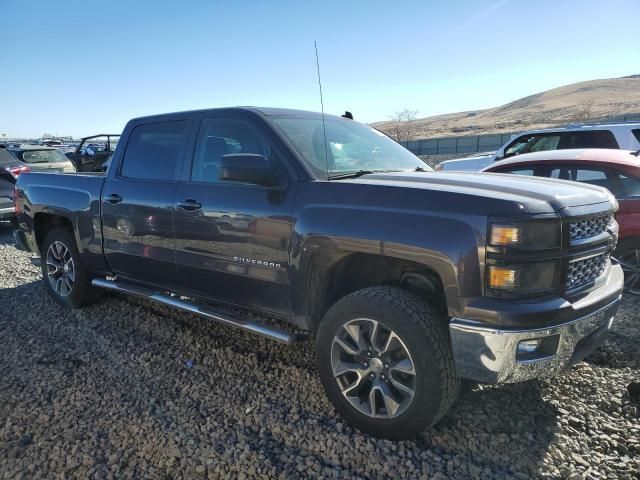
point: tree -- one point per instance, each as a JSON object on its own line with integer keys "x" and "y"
{"x": 403, "y": 128}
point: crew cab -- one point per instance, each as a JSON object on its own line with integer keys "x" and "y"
{"x": 625, "y": 136}
{"x": 408, "y": 280}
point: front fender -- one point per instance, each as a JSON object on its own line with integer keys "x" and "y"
{"x": 446, "y": 245}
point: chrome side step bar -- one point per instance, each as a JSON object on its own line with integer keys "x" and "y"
{"x": 272, "y": 333}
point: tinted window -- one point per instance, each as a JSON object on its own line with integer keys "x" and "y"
{"x": 629, "y": 186}
{"x": 588, "y": 139}
{"x": 584, "y": 175}
{"x": 540, "y": 142}
{"x": 636, "y": 133}
{"x": 153, "y": 151}
{"x": 218, "y": 137}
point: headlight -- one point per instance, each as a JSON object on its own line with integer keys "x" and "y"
{"x": 522, "y": 278}
{"x": 535, "y": 235}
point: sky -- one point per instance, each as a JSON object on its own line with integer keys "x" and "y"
{"x": 84, "y": 67}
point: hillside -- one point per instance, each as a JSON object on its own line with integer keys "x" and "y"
{"x": 570, "y": 103}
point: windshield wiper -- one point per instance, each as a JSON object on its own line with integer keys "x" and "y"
{"x": 357, "y": 174}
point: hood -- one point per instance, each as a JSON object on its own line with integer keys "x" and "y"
{"x": 468, "y": 163}
{"x": 533, "y": 194}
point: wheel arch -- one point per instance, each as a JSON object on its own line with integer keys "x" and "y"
{"x": 333, "y": 275}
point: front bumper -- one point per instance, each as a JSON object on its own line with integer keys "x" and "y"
{"x": 491, "y": 355}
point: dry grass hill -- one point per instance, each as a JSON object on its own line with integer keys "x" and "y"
{"x": 570, "y": 103}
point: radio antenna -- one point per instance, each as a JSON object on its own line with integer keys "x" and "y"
{"x": 324, "y": 128}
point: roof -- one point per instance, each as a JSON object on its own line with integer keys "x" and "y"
{"x": 266, "y": 111}
{"x": 576, "y": 127}
{"x": 32, "y": 147}
{"x": 602, "y": 155}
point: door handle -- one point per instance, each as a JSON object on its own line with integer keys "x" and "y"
{"x": 190, "y": 205}
{"x": 113, "y": 198}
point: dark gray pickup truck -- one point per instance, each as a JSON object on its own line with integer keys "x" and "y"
{"x": 409, "y": 280}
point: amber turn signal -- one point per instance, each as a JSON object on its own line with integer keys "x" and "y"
{"x": 505, "y": 235}
{"x": 502, "y": 277}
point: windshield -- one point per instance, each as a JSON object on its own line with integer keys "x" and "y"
{"x": 351, "y": 146}
{"x": 42, "y": 156}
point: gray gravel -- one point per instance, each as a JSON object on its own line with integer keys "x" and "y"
{"x": 105, "y": 393}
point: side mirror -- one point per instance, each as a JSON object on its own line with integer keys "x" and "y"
{"x": 247, "y": 168}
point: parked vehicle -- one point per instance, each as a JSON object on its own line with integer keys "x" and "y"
{"x": 91, "y": 155}
{"x": 10, "y": 169}
{"x": 625, "y": 136}
{"x": 616, "y": 170}
{"x": 408, "y": 279}
{"x": 47, "y": 159}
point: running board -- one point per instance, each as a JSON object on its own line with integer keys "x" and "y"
{"x": 184, "y": 305}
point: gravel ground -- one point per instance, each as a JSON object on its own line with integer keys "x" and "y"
{"x": 106, "y": 393}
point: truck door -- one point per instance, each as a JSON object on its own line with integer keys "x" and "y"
{"x": 233, "y": 239}
{"x": 137, "y": 202}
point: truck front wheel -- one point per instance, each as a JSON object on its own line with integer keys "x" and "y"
{"x": 385, "y": 361}
{"x": 65, "y": 278}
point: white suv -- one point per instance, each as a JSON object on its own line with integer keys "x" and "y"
{"x": 625, "y": 136}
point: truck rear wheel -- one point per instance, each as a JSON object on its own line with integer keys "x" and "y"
{"x": 385, "y": 361}
{"x": 66, "y": 280}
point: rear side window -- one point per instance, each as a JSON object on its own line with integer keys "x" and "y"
{"x": 636, "y": 133}
{"x": 153, "y": 151}
{"x": 588, "y": 139}
{"x": 591, "y": 176}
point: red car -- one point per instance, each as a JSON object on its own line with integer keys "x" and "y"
{"x": 617, "y": 170}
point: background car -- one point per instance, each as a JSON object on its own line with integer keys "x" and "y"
{"x": 10, "y": 169}
{"x": 616, "y": 170}
{"x": 625, "y": 136}
{"x": 46, "y": 159}
{"x": 93, "y": 154}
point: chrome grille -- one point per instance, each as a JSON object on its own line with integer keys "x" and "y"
{"x": 582, "y": 272}
{"x": 589, "y": 227}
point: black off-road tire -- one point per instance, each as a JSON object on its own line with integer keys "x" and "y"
{"x": 82, "y": 293}
{"x": 425, "y": 335}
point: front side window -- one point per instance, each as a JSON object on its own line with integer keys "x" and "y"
{"x": 219, "y": 137}
{"x": 532, "y": 143}
{"x": 350, "y": 146}
{"x": 629, "y": 186}
{"x": 153, "y": 151}
{"x": 636, "y": 133}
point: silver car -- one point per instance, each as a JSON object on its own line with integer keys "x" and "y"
{"x": 43, "y": 159}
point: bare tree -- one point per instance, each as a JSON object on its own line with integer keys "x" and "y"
{"x": 403, "y": 128}
{"x": 583, "y": 113}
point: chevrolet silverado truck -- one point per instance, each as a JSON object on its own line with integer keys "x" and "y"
{"x": 409, "y": 280}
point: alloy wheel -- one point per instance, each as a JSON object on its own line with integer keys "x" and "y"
{"x": 630, "y": 263}
{"x": 60, "y": 268}
{"x": 373, "y": 368}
